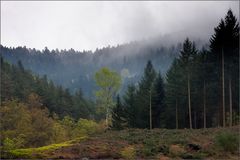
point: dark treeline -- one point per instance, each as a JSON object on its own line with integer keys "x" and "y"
{"x": 201, "y": 88}
{"x": 19, "y": 83}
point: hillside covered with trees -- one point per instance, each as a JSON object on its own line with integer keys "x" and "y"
{"x": 127, "y": 59}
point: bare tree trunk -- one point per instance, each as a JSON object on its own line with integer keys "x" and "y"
{"x": 218, "y": 117}
{"x": 107, "y": 119}
{"x": 230, "y": 101}
{"x": 195, "y": 119}
{"x": 204, "y": 104}
{"x": 189, "y": 103}
{"x": 223, "y": 91}
{"x": 150, "y": 111}
{"x": 176, "y": 115}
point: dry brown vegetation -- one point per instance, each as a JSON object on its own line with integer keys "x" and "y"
{"x": 144, "y": 144}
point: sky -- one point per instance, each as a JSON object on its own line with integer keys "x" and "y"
{"x": 83, "y": 25}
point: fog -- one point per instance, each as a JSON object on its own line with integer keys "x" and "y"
{"x": 90, "y": 25}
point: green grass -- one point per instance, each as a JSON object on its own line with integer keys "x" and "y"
{"x": 39, "y": 152}
{"x": 29, "y": 152}
{"x": 227, "y": 141}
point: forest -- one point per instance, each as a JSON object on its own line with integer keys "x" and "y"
{"x": 61, "y": 98}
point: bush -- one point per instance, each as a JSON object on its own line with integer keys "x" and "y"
{"x": 101, "y": 126}
{"x": 227, "y": 141}
{"x": 24, "y": 125}
{"x": 85, "y": 127}
{"x": 88, "y": 126}
{"x": 150, "y": 147}
{"x": 59, "y": 133}
{"x": 8, "y": 144}
{"x": 176, "y": 150}
{"x": 164, "y": 149}
{"x": 128, "y": 153}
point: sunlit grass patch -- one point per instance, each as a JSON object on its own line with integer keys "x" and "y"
{"x": 38, "y": 152}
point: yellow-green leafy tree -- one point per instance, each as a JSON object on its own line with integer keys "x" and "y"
{"x": 109, "y": 83}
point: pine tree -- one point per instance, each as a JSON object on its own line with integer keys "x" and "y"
{"x": 20, "y": 66}
{"x": 224, "y": 45}
{"x": 186, "y": 58}
{"x": 158, "y": 101}
{"x": 6, "y": 81}
{"x": 117, "y": 115}
{"x": 175, "y": 97}
{"x": 144, "y": 94}
{"x": 130, "y": 108}
{"x": 201, "y": 82}
{"x": 203, "y": 77}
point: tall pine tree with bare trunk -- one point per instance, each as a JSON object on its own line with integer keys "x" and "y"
{"x": 225, "y": 45}
{"x": 186, "y": 57}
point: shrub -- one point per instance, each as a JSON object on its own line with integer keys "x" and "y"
{"x": 89, "y": 126}
{"x": 150, "y": 147}
{"x": 128, "y": 152}
{"x": 164, "y": 149}
{"x": 59, "y": 133}
{"x": 85, "y": 127}
{"x": 101, "y": 126}
{"x": 8, "y": 144}
{"x": 24, "y": 125}
{"x": 227, "y": 141}
{"x": 176, "y": 150}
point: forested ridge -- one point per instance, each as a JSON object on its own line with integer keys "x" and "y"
{"x": 19, "y": 83}
{"x": 127, "y": 59}
{"x": 178, "y": 88}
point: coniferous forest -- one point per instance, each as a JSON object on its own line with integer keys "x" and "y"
{"x": 132, "y": 101}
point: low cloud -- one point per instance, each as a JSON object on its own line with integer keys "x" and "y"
{"x": 88, "y": 25}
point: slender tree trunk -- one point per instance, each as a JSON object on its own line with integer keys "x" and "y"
{"x": 218, "y": 117}
{"x": 107, "y": 119}
{"x": 223, "y": 91}
{"x": 204, "y": 104}
{"x": 107, "y": 112}
{"x": 195, "y": 119}
{"x": 150, "y": 110}
{"x": 176, "y": 115}
{"x": 230, "y": 101}
{"x": 189, "y": 103}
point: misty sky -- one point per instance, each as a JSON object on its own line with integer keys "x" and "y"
{"x": 87, "y": 25}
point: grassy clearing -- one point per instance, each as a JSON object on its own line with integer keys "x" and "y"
{"x": 144, "y": 144}
{"x": 40, "y": 151}
{"x": 29, "y": 152}
{"x": 183, "y": 143}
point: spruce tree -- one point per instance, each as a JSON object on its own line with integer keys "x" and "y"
{"x": 174, "y": 114}
{"x": 224, "y": 45}
{"x": 186, "y": 57}
{"x": 117, "y": 115}
{"x": 144, "y": 95}
{"x": 130, "y": 107}
{"x": 158, "y": 102}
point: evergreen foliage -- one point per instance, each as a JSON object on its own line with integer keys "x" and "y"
{"x": 118, "y": 120}
{"x": 18, "y": 83}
